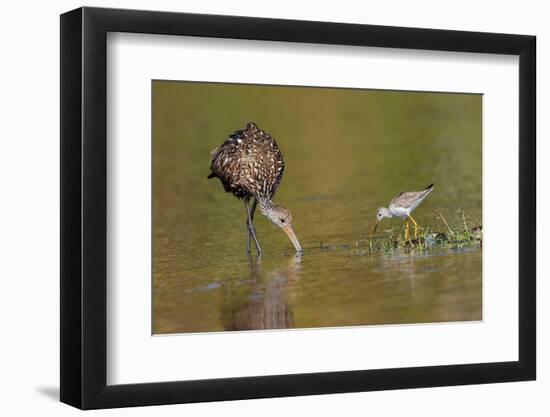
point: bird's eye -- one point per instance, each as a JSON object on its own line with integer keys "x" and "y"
{"x": 282, "y": 220}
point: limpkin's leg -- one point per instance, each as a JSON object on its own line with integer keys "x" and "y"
{"x": 249, "y": 219}
{"x": 252, "y": 211}
{"x": 250, "y": 227}
{"x": 415, "y": 226}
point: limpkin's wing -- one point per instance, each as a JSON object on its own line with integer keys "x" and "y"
{"x": 264, "y": 163}
{"x": 222, "y": 162}
{"x": 249, "y": 163}
{"x": 411, "y": 199}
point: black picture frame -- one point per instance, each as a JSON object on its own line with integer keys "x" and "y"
{"x": 84, "y": 207}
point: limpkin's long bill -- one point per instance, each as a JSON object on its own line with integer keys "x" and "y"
{"x": 290, "y": 233}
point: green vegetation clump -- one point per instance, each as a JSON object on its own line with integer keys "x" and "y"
{"x": 442, "y": 234}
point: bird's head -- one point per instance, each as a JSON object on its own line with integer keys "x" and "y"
{"x": 281, "y": 217}
{"x": 380, "y": 214}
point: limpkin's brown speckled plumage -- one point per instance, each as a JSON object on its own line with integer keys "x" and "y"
{"x": 250, "y": 165}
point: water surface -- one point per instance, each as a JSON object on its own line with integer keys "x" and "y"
{"x": 347, "y": 152}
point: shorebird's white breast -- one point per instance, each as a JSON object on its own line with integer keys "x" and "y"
{"x": 399, "y": 211}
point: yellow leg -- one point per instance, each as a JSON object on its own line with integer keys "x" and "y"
{"x": 407, "y": 236}
{"x": 415, "y": 226}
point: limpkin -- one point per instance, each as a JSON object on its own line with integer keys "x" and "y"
{"x": 402, "y": 206}
{"x": 250, "y": 165}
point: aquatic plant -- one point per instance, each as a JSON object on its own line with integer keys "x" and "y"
{"x": 459, "y": 233}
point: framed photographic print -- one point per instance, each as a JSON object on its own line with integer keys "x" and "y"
{"x": 257, "y": 207}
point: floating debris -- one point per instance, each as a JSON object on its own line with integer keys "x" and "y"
{"x": 322, "y": 246}
{"x": 433, "y": 239}
{"x": 477, "y": 232}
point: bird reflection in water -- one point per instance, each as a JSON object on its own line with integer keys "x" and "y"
{"x": 267, "y": 306}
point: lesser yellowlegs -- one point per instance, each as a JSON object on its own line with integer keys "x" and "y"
{"x": 401, "y": 206}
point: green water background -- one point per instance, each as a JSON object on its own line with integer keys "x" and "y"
{"x": 347, "y": 152}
